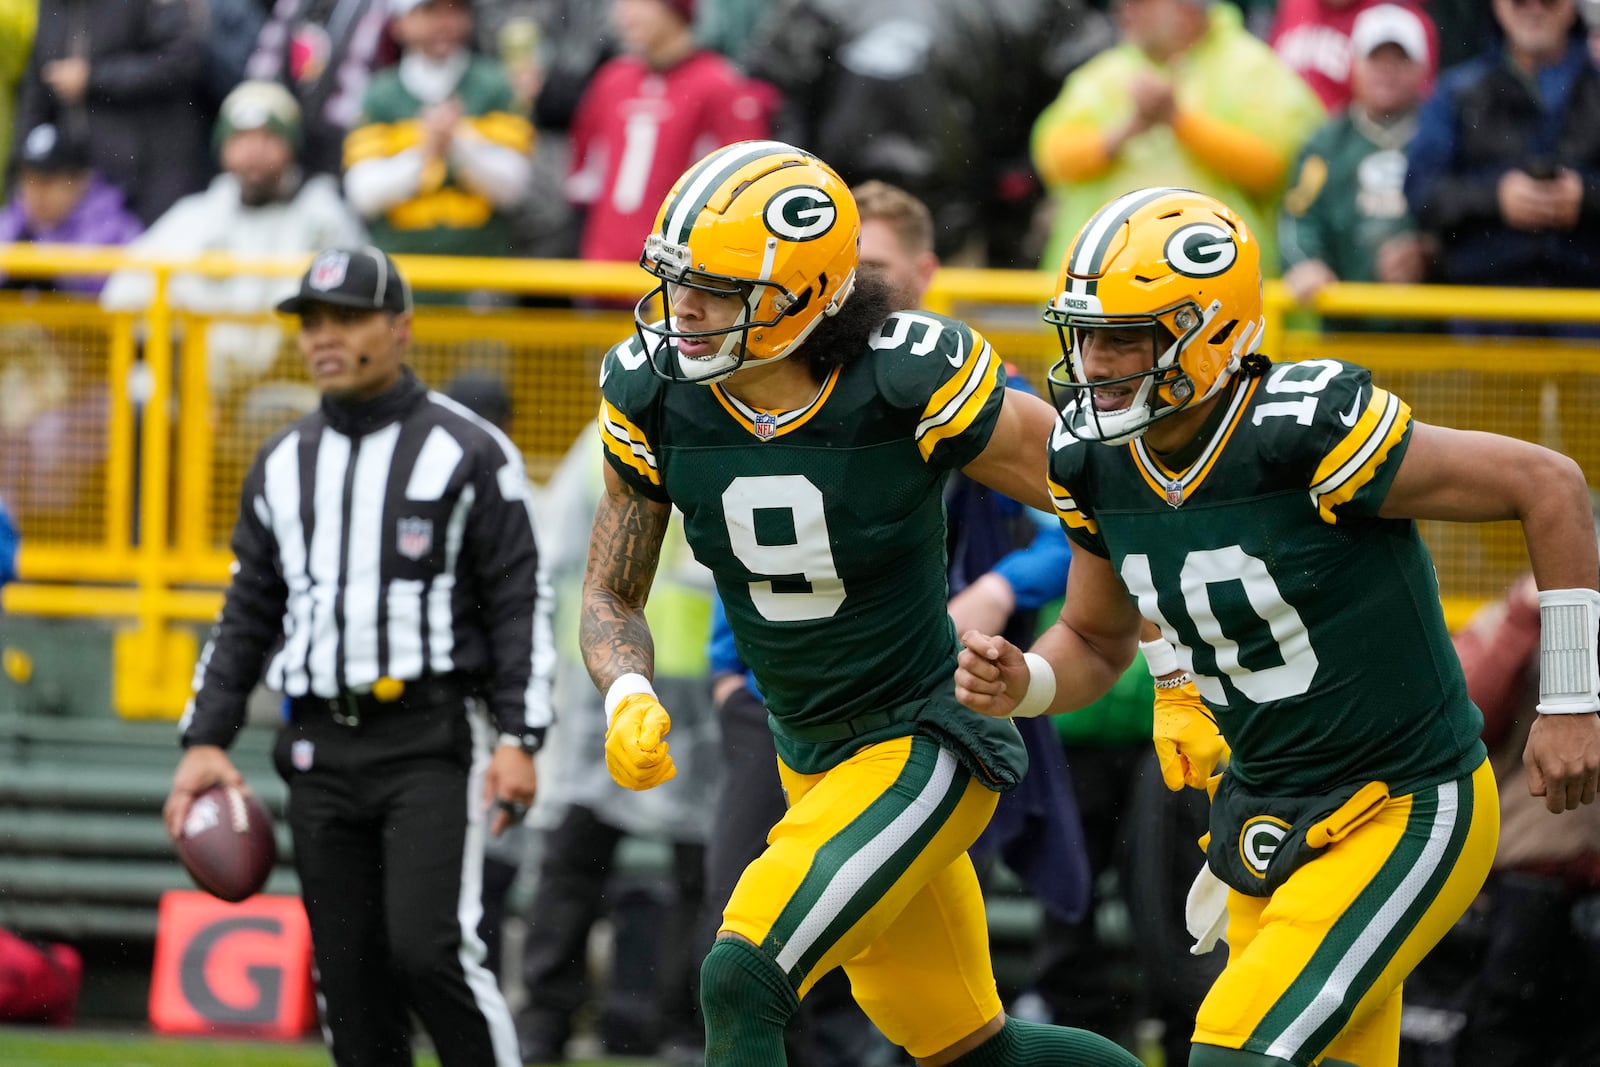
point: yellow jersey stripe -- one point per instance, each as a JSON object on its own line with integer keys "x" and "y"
{"x": 1067, "y": 509}
{"x": 504, "y": 129}
{"x": 957, "y": 402}
{"x": 627, "y": 442}
{"x": 1353, "y": 462}
{"x": 787, "y": 421}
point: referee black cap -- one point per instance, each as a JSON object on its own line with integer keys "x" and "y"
{"x": 351, "y": 277}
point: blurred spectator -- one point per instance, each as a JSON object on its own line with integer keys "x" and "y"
{"x": 260, "y": 205}
{"x": 585, "y": 817}
{"x": 439, "y": 152}
{"x": 929, "y": 97}
{"x": 1589, "y": 11}
{"x": 646, "y": 116}
{"x": 323, "y": 51}
{"x": 1314, "y": 38}
{"x": 1189, "y": 98}
{"x": 59, "y": 199}
{"x": 52, "y": 425}
{"x": 1505, "y": 165}
{"x": 18, "y": 19}
{"x": 570, "y": 39}
{"x": 1344, "y": 216}
{"x": 1532, "y": 1001}
{"x": 125, "y": 75}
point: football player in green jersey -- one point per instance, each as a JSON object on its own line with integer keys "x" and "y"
{"x": 805, "y": 434}
{"x": 1262, "y": 517}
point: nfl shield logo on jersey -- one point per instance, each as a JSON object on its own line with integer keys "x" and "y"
{"x": 328, "y": 271}
{"x": 766, "y": 426}
{"x": 414, "y": 537}
{"x": 302, "y": 754}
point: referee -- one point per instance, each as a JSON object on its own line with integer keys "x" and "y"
{"x": 388, "y": 583}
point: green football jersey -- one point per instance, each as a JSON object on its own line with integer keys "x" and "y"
{"x": 1311, "y": 625}
{"x": 824, "y": 528}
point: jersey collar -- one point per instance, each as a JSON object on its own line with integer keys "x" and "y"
{"x": 1175, "y": 488}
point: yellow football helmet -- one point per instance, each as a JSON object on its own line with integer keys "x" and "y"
{"x": 1161, "y": 257}
{"x": 762, "y": 220}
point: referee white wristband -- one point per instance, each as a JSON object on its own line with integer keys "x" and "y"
{"x": 1041, "y": 687}
{"x": 1569, "y": 633}
{"x": 1159, "y": 656}
{"x": 625, "y": 687}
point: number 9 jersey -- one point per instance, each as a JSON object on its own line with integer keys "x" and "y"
{"x": 1264, "y": 564}
{"x": 824, "y": 528}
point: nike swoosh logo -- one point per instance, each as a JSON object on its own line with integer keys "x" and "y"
{"x": 960, "y": 355}
{"x": 1349, "y": 418}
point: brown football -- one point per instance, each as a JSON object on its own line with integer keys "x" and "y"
{"x": 228, "y": 845}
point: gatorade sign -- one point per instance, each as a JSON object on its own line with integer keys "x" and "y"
{"x": 240, "y": 969}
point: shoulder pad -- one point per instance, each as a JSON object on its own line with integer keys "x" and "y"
{"x": 915, "y": 352}
{"x": 626, "y": 379}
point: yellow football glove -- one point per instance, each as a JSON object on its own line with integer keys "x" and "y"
{"x": 636, "y": 755}
{"x": 1189, "y": 746}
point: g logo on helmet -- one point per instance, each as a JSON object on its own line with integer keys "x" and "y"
{"x": 1259, "y": 839}
{"x": 801, "y": 213}
{"x": 1201, "y": 250}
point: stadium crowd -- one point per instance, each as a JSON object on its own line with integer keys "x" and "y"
{"x": 1397, "y": 141}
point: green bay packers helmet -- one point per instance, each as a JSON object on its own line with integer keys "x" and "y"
{"x": 762, "y": 220}
{"x": 1179, "y": 262}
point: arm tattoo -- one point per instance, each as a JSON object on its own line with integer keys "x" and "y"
{"x": 623, "y": 551}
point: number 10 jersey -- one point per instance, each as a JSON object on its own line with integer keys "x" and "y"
{"x": 1312, "y": 625}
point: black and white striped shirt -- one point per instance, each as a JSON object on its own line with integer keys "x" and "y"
{"x": 390, "y": 539}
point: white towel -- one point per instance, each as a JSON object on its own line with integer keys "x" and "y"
{"x": 1205, "y": 911}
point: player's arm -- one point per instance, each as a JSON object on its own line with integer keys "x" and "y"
{"x": 618, "y": 651}
{"x": 1079, "y": 657}
{"x": 1013, "y": 462}
{"x": 1467, "y": 476}
{"x": 624, "y": 549}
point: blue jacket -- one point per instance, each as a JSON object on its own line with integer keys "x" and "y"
{"x": 1483, "y": 120}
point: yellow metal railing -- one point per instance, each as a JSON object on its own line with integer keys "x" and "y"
{"x": 159, "y": 440}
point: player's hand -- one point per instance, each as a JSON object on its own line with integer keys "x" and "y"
{"x": 636, "y": 755}
{"x": 991, "y": 675}
{"x": 1189, "y": 746}
{"x": 201, "y": 767}
{"x": 1562, "y": 759}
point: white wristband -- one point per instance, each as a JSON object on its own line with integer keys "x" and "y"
{"x": 1041, "y": 687}
{"x": 1159, "y": 656}
{"x": 624, "y": 687}
{"x": 1569, "y": 633}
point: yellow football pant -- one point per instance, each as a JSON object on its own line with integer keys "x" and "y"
{"x": 1315, "y": 969}
{"x": 868, "y": 870}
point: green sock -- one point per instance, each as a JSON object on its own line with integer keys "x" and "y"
{"x": 1024, "y": 1044}
{"x": 746, "y": 1002}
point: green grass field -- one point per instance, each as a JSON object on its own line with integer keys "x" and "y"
{"x": 52, "y": 1048}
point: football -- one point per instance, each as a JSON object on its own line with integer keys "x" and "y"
{"x": 228, "y": 845}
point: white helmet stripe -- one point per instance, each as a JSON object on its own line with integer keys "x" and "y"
{"x": 714, "y": 170}
{"x": 1096, "y": 237}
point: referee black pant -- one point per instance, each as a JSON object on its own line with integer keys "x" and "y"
{"x": 388, "y": 829}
